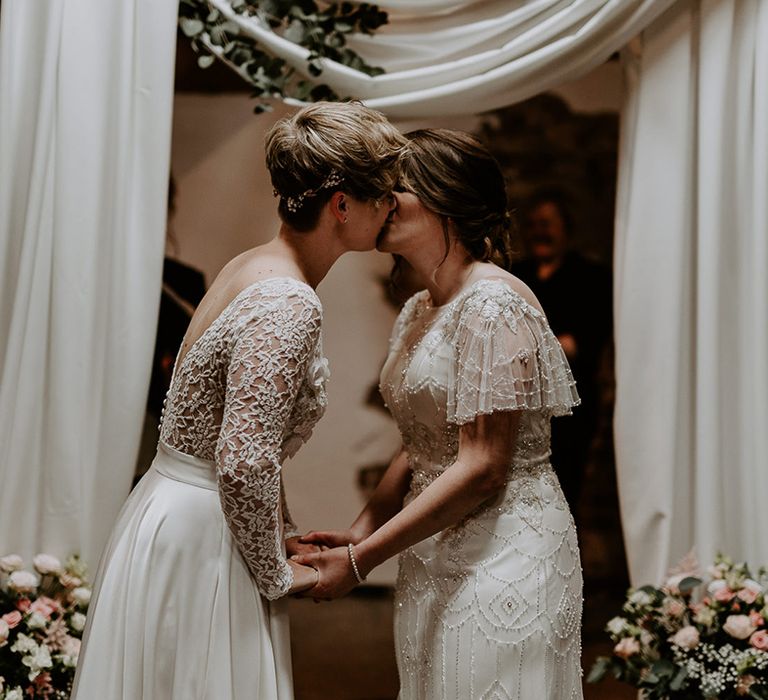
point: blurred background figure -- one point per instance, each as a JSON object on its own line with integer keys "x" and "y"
{"x": 575, "y": 293}
{"x": 183, "y": 288}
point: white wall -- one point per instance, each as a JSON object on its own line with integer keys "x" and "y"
{"x": 225, "y": 205}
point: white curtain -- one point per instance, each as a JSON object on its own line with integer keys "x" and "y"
{"x": 448, "y": 58}
{"x": 692, "y": 288}
{"x": 85, "y": 104}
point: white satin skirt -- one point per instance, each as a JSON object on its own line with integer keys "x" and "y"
{"x": 175, "y": 614}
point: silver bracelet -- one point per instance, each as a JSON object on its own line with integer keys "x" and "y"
{"x": 352, "y": 561}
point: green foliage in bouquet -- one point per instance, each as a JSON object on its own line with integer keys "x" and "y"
{"x": 42, "y": 616}
{"x": 691, "y": 639}
{"x": 321, "y": 28}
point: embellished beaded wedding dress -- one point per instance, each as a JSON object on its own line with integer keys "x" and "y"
{"x": 181, "y": 607}
{"x": 491, "y": 607}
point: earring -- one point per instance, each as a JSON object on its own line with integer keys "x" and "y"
{"x": 345, "y": 219}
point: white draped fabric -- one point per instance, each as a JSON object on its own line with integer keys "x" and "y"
{"x": 458, "y": 58}
{"x": 692, "y": 289}
{"x": 85, "y": 106}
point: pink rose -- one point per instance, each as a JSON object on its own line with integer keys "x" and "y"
{"x": 627, "y": 647}
{"x": 759, "y": 640}
{"x": 673, "y": 607}
{"x": 12, "y": 618}
{"x": 748, "y": 595}
{"x": 23, "y": 604}
{"x": 738, "y": 626}
{"x": 686, "y": 638}
{"x": 44, "y": 606}
{"x": 756, "y": 618}
{"x": 723, "y": 594}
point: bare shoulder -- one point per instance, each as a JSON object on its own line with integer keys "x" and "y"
{"x": 490, "y": 272}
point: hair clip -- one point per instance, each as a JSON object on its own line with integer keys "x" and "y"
{"x": 293, "y": 204}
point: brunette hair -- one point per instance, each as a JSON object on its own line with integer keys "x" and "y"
{"x": 457, "y": 178}
{"x": 327, "y": 147}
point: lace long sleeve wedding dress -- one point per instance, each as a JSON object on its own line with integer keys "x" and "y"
{"x": 489, "y": 608}
{"x": 185, "y": 600}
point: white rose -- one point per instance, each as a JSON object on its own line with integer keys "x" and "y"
{"x": 38, "y": 661}
{"x": 23, "y": 582}
{"x": 77, "y": 622}
{"x": 11, "y": 562}
{"x": 24, "y": 644}
{"x": 640, "y": 598}
{"x": 14, "y": 694}
{"x": 717, "y": 585}
{"x": 705, "y": 616}
{"x": 752, "y": 585}
{"x": 616, "y": 626}
{"x": 46, "y": 564}
{"x": 36, "y": 621}
{"x": 739, "y": 626}
{"x": 4, "y": 632}
{"x": 81, "y": 595}
{"x": 686, "y": 638}
{"x": 646, "y": 638}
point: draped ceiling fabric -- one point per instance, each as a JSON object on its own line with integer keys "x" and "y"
{"x": 459, "y": 58}
{"x": 692, "y": 289}
{"x": 85, "y": 112}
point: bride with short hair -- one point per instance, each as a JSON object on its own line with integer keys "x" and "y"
{"x": 187, "y": 599}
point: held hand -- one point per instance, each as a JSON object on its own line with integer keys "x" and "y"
{"x": 304, "y": 578}
{"x": 330, "y": 538}
{"x": 294, "y": 545}
{"x": 336, "y": 575}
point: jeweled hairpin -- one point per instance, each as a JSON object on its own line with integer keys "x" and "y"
{"x": 293, "y": 204}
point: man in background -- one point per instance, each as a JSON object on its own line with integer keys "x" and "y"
{"x": 575, "y": 293}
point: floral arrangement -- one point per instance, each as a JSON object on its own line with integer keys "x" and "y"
{"x": 42, "y": 616}
{"x": 693, "y": 638}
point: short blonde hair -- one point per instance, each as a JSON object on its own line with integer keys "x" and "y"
{"x": 331, "y": 146}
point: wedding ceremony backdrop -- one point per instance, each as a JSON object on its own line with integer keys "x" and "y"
{"x": 86, "y": 95}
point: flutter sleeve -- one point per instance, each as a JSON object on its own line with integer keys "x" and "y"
{"x": 506, "y": 358}
{"x": 269, "y": 359}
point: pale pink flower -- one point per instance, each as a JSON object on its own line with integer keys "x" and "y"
{"x": 756, "y": 618}
{"x": 44, "y": 606}
{"x": 12, "y": 618}
{"x": 673, "y": 607}
{"x": 745, "y": 683}
{"x": 10, "y": 563}
{"x": 46, "y": 564}
{"x": 723, "y": 595}
{"x": 747, "y": 595}
{"x": 627, "y": 647}
{"x": 70, "y": 581}
{"x": 759, "y": 640}
{"x": 5, "y": 630}
{"x": 739, "y": 626}
{"x": 23, "y": 582}
{"x": 23, "y": 604}
{"x": 686, "y": 638}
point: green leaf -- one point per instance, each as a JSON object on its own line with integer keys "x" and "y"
{"x": 689, "y": 583}
{"x": 759, "y": 692}
{"x": 599, "y": 669}
{"x": 191, "y": 27}
{"x": 679, "y": 680}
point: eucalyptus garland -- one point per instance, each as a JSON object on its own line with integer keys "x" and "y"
{"x": 321, "y": 28}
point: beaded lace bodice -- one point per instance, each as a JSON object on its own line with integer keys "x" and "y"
{"x": 489, "y": 607}
{"x": 245, "y": 396}
{"x": 487, "y": 350}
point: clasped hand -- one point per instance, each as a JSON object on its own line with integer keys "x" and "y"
{"x": 320, "y": 563}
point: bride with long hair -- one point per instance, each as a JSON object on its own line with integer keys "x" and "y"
{"x": 489, "y": 590}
